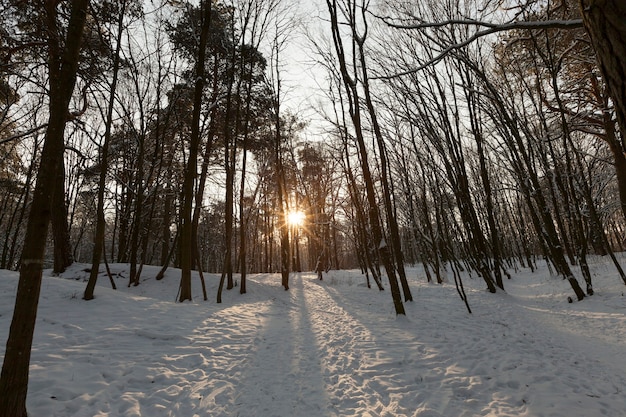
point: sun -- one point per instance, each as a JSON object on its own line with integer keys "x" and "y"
{"x": 295, "y": 218}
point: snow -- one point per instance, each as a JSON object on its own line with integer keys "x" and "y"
{"x": 324, "y": 348}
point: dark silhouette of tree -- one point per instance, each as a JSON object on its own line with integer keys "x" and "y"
{"x": 351, "y": 86}
{"x": 99, "y": 235}
{"x": 63, "y": 48}
{"x": 606, "y": 24}
{"x": 186, "y": 236}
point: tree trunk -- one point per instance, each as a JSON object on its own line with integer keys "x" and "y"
{"x": 186, "y": 242}
{"x": 137, "y": 223}
{"x": 8, "y": 262}
{"x": 242, "y": 218}
{"x": 395, "y": 247}
{"x": 60, "y": 231}
{"x": 229, "y": 167}
{"x": 355, "y": 113}
{"x": 282, "y": 207}
{"x": 63, "y": 64}
{"x": 605, "y": 21}
{"x": 98, "y": 247}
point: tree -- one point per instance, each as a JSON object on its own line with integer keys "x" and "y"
{"x": 386, "y": 180}
{"x": 516, "y": 132}
{"x": 99, "y": 235}
{"x": 605, "y": 21}
{"x": 282, "y": 25}
{"x": 351, "y": 86}
{"x": 186, "y": 237}
{"x": 17, "y": 177}
{"x": 63, "y": 58}
{"x": 253, "y": 17}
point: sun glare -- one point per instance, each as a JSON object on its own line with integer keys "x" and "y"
{"x": 295, "y": 218}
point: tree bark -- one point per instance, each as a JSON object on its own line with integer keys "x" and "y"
{"x": 137, "y": 213}
{"x": 230, "y": 145}
{"x": 186, "y": 243}
{"x": 283, "y": 207}
{"x": 63, "y": 65}
{"x": 60, "y": 230}
{"x": 605, "y": 21}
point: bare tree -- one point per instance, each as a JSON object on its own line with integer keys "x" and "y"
{"x": 98, "y": 248}
{"x": 351, "y": 86}
{"x": 281, "y": 27}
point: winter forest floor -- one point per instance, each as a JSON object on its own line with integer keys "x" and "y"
{"x": 329, "y": 348}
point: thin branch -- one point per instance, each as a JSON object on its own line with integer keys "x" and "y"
{"x": 22, "y": 134}
{"x": 533, "y": 24}
{"x": 491, "y": 29}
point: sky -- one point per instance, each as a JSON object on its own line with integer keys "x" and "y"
{"x": 324, "y": 348}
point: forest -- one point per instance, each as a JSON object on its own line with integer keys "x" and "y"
{"x": 478, "y": 136}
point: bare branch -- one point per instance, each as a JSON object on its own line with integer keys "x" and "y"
{"x": 491, "y": 29}
{"x": 23, "y": 134}
{"x": 499, "y": 27}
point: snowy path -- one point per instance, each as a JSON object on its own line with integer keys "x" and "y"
{"x": 325, "y": 349}
{"x": 331, "y": 354}
{"x": 313, "y": 358}
{"x": 285, "y": 367}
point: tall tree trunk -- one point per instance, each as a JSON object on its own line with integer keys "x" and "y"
{"x": 605, "y": 21}
{"x": 63, "y": 64}
{"x": 350, "y": 85}
{"x": 283, "y": 208}
{"x": 395, "y": 247}
{"x": 243, "y": 222}
{"x": 186, "y": 236}
{"x": 98, "y": 246}
{"x": 227, "y": 266}
{"x": 243, "y": 225}
{"x": 137, "y": 223}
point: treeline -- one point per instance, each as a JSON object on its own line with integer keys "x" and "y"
{"x": 178, "y": 148}
{"x": 492, "y": 142}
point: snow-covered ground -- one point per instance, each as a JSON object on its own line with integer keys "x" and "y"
{"x": 330, "y": 348}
